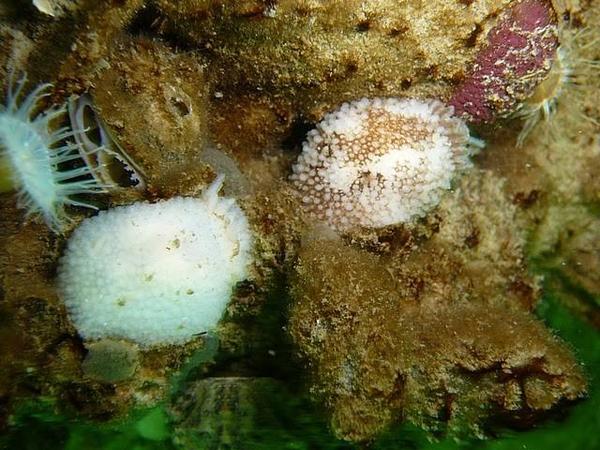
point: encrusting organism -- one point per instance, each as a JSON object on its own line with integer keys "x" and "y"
{"x": 34, "y": 154}
{"x": 517, "y": 57}
{"x": 156, "y": 273}
{"x": 377, "y": 162}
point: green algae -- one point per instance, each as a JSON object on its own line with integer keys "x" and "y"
{"x": 153, "y": 426}
{"x": 284, "y": 423}
{"x": 37, "y": 426}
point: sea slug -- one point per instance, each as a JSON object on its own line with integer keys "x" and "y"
{"x": 156, "y": 273}
{"x": 377, "y": 162}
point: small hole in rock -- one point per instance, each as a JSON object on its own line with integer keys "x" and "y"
{"x": 180, "y": 105}
{"x": 297, "y": 134}
{"x": 471, "y": 41}
{"x": 363, "y": 25}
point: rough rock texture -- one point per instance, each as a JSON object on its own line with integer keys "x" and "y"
{"x": 566, "y": 246}
{"x": 552, "y": 176}
{"x": 155, "y": 100}
{"x": 289, "y": 62}
{"x": 110, "y": 361}
{"x": 437, "y": 331}
{"x": 15, "y": 47}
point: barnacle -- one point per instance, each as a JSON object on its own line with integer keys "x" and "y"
{"x": 517, "y": 57}
{"x": 570, "y": 71}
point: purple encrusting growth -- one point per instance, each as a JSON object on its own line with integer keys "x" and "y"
{"x": 519, "y": 53}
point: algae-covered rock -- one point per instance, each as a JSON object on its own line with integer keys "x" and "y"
{"x": 330, "y": 47}
{"x": 154, "y": 100}
{"x": 279, "y": 64}
{"x": 566, "y": 247}
{"x": 551, "y": 174}
{"x": 437, "y": 331}
{"x": 377, "y": 356}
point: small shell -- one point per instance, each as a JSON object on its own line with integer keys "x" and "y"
{"x": 55, "y": 8}
{"x": 219, "y": 413}
{"x": 109, "y": 162}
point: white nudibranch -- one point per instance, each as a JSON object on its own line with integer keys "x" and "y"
{"x": 34, "y": 155}
{"x": 156, "y": 273}
{"x": 382, "y": 161}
